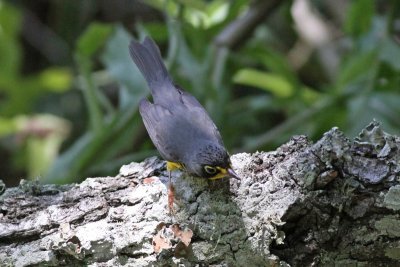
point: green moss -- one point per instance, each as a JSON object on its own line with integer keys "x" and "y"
{"x": 393, "y": 253}
{"x": 389, "y": 226}
{"x": 392, "y": 198}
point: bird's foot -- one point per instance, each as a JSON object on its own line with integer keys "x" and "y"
{"x": 171, "y": 198}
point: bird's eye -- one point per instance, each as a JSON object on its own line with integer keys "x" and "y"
{"x": 210, "y": 170}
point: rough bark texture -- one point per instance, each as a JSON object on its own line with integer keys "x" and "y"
{"x": 335, "y": 202}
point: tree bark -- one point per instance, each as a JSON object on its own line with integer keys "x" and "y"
{"x": 335, "y": 202}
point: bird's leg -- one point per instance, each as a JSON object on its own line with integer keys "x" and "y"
{"x": 171, "y": 194}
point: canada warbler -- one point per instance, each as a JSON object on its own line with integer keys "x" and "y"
{"x": 178, "y": 125}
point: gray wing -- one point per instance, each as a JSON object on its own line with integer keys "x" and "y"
{"x": 200, "y": 117}
{"x": 159, "y": 122}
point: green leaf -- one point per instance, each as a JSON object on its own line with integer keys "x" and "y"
{"x": 357, "y": 65}
{"x": 7, "y": 126}
{"x": 19, "y": 101}
{"x": 90, "y": 92}
{"x": 277, "y": 63}
{"x": 217, "y": 12}
{"x": 119, "y": 64}
{"x": 359, "y": 17}
{"x": 10, "y": 20}
{"x": 273, "y": 83}
{"x": 213, "y": 14}
{"x": 63, "y": 169}
{"x": 390, "y": 53}
{"x": 158, "y": 31}
{"x": 10, "y": 53}
{"x": 93, "y": 38}
{"x": 310, "y": 95}
{"x": 56, "y": 79}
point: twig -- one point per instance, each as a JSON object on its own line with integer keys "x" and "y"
{"x": 240, "y": 29}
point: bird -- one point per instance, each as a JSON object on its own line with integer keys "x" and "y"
{"x": 178, "y": 125}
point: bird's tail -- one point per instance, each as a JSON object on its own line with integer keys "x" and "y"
{"x": 148, "y": 59}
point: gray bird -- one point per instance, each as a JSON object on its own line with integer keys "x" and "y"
{"x": 180, "y": 128}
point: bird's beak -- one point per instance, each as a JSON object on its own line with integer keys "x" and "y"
{"x": 233, "y": 174}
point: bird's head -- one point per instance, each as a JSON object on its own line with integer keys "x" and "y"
{"x": 211, "y": 161}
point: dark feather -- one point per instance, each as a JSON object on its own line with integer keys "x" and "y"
{"x": 148, "y": 59}
{"x": 153, "y": 116}
{"x": 200, "y": 117}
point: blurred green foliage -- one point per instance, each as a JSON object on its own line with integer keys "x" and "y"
{"x": 276, "y": 83}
